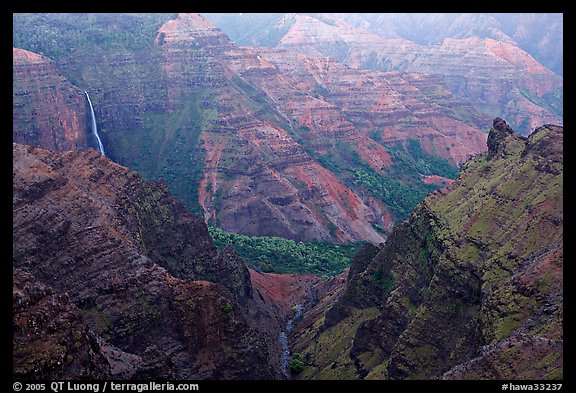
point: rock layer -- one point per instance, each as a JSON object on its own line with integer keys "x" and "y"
{"x": 493, "y": 75}
{"x": 48, "y": 111}
{"x": 146, "y": 288}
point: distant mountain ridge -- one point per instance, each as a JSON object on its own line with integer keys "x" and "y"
{"x": 540, "y": 34}
{"x": 481, "y": 65}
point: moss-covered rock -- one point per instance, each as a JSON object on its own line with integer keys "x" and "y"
{"x": 477, "y": 266}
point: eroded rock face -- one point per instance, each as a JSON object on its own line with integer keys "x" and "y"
{"x": 48, "y": 111}
{"x": 151, "y": 306}
{"x": 500, "y": 138}
{"x": 469, "y": 287}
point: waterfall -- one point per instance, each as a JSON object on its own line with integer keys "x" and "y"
{"x": 94, "y": 127}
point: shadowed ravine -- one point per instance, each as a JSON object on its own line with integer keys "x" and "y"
{"x": 283, "y": 338}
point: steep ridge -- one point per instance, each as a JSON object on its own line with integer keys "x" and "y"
{"x": 238, "y": 165}
{"x": 470, "y": 287}
{"x": 48, "y": 110}
{"x": 327, "y": 144}
{"x": 133, "y": 272}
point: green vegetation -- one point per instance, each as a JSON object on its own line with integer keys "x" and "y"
{"x": 320, "y": 91}
{"x": 375, "y": 135}
{"x": 322, "y": 18}
{"x": 401, "y": 188}
{"x": 173, "y": 140}
{"x": 378, "y": 229}
{"x": 552, "y": 100}
{"x": 400, "y": 197}
{"x": 57, "y": 35}
{"x": 327, "y": 351}
{"x": 296, "y": 364}
{"x": 423, "y": 162}
{"x": 191, "y": 305}
{"x": 279, "y": 255}
{"x": 385, "y": 281}
{"x": 555, "y": 100}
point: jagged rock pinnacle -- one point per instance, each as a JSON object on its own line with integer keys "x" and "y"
{"x": 498, "y": 138}
{"x": 500, "y": 125}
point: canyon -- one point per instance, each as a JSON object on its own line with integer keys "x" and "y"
{"x": 220, "y": 123}
{"x": 114, "y": 278}
{"x": 133, "y": 133}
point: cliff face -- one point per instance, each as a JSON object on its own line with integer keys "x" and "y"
{"x": 48, "y": 110}
{"x": 131, "y": 276}
{"x": 222, "y": 123}
{"x": 470, "y": 287}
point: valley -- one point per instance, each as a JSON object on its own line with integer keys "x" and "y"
{"x": 287, "y": 196}
{"x": 220, "y": 123}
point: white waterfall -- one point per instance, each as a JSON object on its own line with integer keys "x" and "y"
{"x": 94, "y": 127}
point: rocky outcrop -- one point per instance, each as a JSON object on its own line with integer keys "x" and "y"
{"x": 48, "y": 111}
{"x": 502, "y": 140}
{"x": 152, "y": 306}
{"x": 470, "y": 286}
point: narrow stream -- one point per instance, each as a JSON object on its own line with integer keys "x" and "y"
{"x": 283, "y": 339}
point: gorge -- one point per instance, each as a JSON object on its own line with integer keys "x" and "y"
{"x": 286, "y": 196}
